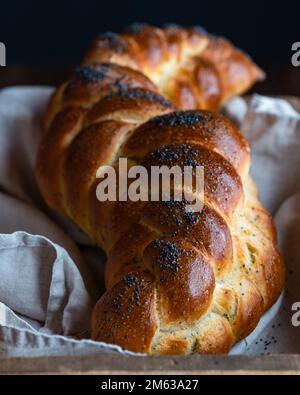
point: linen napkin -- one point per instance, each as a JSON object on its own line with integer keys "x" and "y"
{"x": 51, "y": 274}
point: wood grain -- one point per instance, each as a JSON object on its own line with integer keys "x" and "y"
{"x": 129, "y": 365}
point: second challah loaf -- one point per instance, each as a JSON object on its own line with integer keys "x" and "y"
{"x": 192, "y": 68}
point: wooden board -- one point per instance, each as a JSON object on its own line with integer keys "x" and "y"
{"x": 120, "y": 364}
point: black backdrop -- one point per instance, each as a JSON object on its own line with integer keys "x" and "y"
{"x": 58, "y": 31}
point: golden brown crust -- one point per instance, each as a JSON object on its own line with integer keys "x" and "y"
{"x": 178, "y": 282}
{"x": 93, "y": 147}
{"x": 222, "y": 184}
{"x": 193, "y": 68}
{"x": 216, "y": 336}
{"x": 66, "y": 125}
{"x": 185, "y": 280}
{"x": 126, "y": 313}
{"x": 201, "y": 128}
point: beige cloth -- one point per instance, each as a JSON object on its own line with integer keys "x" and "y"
{"x": 272, "y": 126}
{"x": 50, "y": 275}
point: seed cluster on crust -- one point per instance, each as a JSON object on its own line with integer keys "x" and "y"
{"x": 188, "y": 216}
{"x": 168, "y": 255}
{"x": 140, "y": 94}
{"x": 132, "y": 281}
{"x": 183, "y": 155}
{"x": 92, "y": 73}
{"x": 179, "y": 118}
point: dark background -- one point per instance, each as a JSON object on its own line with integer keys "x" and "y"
{"x": 53, "y": 35}
{"x": 43, "y": 31}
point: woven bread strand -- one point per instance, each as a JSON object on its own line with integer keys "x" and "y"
{"x": 191, "y": 67}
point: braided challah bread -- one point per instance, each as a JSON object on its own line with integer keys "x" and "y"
{"x": 192, "y": 68}
{"x": 178, "y": 282}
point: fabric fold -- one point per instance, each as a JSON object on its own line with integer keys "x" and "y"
{"x": 51, "y": 274}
